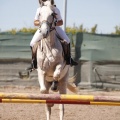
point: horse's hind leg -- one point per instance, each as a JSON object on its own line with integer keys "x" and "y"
{"x": 61, "y": 107}
{"x": 62, "y": 90}
{"x": 48, "y": 111}
{"x": 54, "y": 86}
{"x": 48, "y": 106}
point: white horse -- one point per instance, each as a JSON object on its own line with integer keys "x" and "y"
{"x": 52, "y": 68}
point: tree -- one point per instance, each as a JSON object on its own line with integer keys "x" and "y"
{"x": 117, "y": 30}
{"x": 94, "y": 29}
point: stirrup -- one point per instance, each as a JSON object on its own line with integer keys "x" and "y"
{"x": 73, "y": 63}
{"x": 30, "y": 68}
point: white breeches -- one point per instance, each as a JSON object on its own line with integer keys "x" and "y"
{"x": 62, "y": 34}
{"x": 38, "y": 36}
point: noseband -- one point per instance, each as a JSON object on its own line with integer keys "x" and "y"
{"x": 48, "y": 23}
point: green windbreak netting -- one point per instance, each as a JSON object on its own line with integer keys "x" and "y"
{"x": 97, "y": 47}
{"x": 15, "y": 46}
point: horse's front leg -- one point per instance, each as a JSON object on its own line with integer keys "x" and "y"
{"x": 56, "y": 76}
{"x": 57, "y": 71}
{"x": 41, "y": 79}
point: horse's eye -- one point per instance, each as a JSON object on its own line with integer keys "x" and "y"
{"x": 52, "y": 14}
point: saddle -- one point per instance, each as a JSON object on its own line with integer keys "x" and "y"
{"x": 64, "y": 44}
{"x": 66, "y": 51}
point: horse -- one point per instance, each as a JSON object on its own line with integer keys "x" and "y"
{"x": 51, "y": 67}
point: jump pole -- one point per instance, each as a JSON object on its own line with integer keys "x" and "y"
{"x": 96, "y": 98}
{"x": 59, "y": 102}
{"x": 59, "y": 99}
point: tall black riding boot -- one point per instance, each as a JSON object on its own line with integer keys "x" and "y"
{"x": 67, "y": 52}
{"x": 33, "y": 62}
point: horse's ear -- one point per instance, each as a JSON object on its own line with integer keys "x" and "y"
{"x": 52, "y": 2}
{"x": 41, "y": 3}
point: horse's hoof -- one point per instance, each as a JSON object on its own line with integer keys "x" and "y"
{"x": 50, "y": 105}
{"x": 43, "y": 91}
{"x": 54, "y": 86}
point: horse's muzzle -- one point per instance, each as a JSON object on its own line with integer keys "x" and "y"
{"x": 45, "y": 34}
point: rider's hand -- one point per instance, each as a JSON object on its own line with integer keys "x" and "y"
{"x": 36, "y": 23}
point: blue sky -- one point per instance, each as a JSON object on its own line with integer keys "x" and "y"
{"x": 105, "y": 13}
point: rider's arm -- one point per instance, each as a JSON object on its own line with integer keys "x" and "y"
{"x": 37, "y": 17}
{"x": 58, "y": 17}
{"x": 59, "y": 23}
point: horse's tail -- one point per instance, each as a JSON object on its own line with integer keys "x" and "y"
{"x": 71, "y": 85}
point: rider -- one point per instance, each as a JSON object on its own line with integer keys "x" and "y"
{"x": 38, "y": 36}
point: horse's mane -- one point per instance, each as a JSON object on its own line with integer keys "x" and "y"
{"x": 48, "y": 3}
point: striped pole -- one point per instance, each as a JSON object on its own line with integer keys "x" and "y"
{"x": 59, "y": 102}
{"x": 59, "y": 99}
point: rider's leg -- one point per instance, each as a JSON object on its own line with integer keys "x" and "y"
{"x": 66, "y": 46}
{"x": 33, "y": 61}
{"x": 67, "y": 56}
{"x": 37, "y": 37}
{"x": 62, "y": 34}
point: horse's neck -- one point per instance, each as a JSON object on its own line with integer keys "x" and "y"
{"x": 52, "y": 38}
{"x": 52, "y": 42}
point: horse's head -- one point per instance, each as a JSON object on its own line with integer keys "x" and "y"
{"x": 46, "y": 19}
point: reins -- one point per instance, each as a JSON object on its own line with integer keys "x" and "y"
{"x": 51, "y": 29}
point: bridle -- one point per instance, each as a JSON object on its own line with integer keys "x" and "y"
{"x": 48, "y": 23}
{"x": 51, "y": 29}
